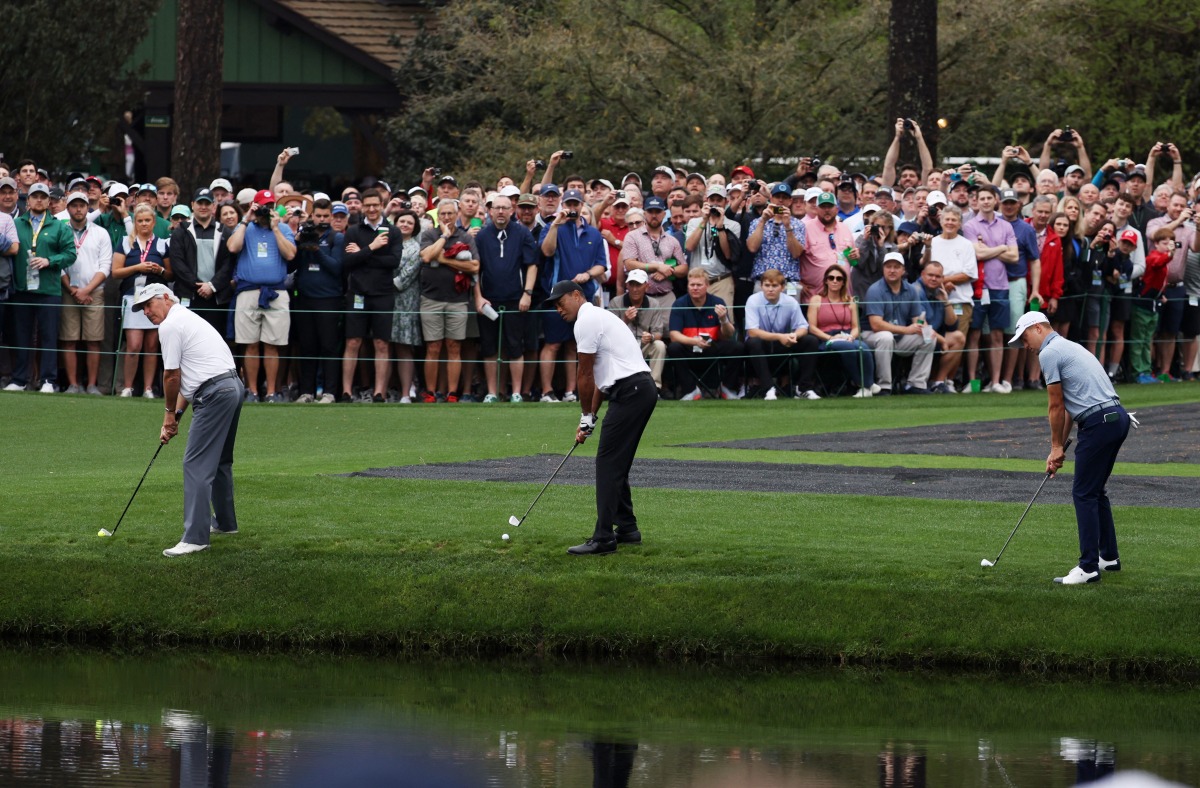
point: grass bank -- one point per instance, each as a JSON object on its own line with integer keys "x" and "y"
{"x": 333, "y": 563}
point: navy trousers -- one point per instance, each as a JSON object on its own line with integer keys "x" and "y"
{"x": 1098, "y": 440}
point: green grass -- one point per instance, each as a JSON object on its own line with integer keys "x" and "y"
{"x": 335, "y": 563}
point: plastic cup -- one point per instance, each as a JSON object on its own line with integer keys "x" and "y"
{"x": 976, "y": 386}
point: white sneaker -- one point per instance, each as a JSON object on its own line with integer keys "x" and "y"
{"x": 515, "y": 398}
{"x": 126, "y": 392}
{"x": 989, "y": 388}
{"x": 1110, "y": 566}
{"x": 305, "y": 399}
{"x": 950, "y": 386}
{"x": 771, "y": 395}
{"x": 1004, "y": 387}
{"x": 1078, "y": 577}
{"x": 810, "y": 394}
{"x": 966, "y": 388}
{"x": 14, "y": 387}
{"x": 726, "y": 393}
{"x": 75, "y": 389}
{"x": 327, "y": 399}
{"x": 570, "y": 397}
{"x": 48, "y": 388}
{"x": 148, "y": 394}
{"x": 95, "y": 391}
{"x": 183, "y": 548}
{"x": 862, "y": 394}
{"x": 875, "y": 389}
{"x": 549, "y": 397}
{"x": 693, "y": 396}
{"x": 406, "y": 400}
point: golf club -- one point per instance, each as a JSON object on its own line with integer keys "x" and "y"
{"x": 105, "y": 531}
{"x": 512, "y": 520}
{"x": 986, "y": 562}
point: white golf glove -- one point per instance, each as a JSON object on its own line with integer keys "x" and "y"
{"x": 587, "y": 423}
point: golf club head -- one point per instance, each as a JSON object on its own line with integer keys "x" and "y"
{"x": 513, "y": 521}
{"x": 986, "y": 562}
{"x": 106, "y": 532}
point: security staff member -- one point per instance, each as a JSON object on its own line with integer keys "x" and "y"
{"x": 1080, "y": 391}
{"x": 197, "y": 368}
{"x": 611, "y": 366}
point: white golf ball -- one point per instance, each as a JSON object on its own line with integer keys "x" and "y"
{"x": 504, "y": 537}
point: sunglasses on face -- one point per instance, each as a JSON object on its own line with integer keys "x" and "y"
{"x": 835, "y": 279}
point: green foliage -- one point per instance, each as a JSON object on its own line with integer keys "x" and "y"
{"x": 61, "y": 83}
{"x": 629, "y": 84}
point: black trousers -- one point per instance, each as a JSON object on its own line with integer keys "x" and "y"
{"x": 803, "y": 356}
{"x": 1099, "y": 440}
{"x": 318, "y": 335}
{"x": 688, "y": 363}
{"x": 631, "y": 402}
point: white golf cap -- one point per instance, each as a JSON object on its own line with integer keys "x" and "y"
{"x": 637, "y": 275}
{"x": 1025, "y": 321}
{"x": 148, "y": 293}
{"x": 812, "y": 193}
{"x": 935, "y": 198}
{"x": 715, "y": 190}
{"x": 511, "y": 191}
{"x": 871, "y": 208}
{"x": 117, "y": 188}
{"x": 893, "y": 257}
{"x": 221, "y": 183}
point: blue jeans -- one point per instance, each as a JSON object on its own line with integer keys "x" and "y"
{"x": 29, "y": 310}
{"x": 858, "y": 360}
{"x": 1095, "y": 453}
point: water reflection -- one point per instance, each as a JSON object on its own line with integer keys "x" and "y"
{"x": 73, "y": 719}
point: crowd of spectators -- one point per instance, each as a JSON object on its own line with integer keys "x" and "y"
{"x": 826, "y": 282}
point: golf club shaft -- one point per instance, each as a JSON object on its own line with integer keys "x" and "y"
{"x": 1027, "y": 508}
{"x": 547, "y": 484}
{"x": 139, "y": 486}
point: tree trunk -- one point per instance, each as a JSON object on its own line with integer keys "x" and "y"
{"x": 196, "y": 125}
{"x": 913, "y": 68}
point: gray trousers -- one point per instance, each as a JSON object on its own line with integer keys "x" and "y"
{"x": 886, "y": 344}
{"x": 208, "y": 461}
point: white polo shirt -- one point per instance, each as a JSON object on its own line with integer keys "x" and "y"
{"x": 601, "y": 333}
{"x": 192, "y": 346}
{"x": 93, "y": 254}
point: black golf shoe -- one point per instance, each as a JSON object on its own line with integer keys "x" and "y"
{"x": 629, "y": 537}
{"x": 594, "y": 547}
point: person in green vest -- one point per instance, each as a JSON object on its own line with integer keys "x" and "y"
{"x": 47, "y": 248}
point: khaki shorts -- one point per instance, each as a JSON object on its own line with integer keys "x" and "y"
{"x": 77, "y": 322}
{"x": 964, "y": 320}
{"x": 441, "y": 320}
{"x": 252, "y": 324}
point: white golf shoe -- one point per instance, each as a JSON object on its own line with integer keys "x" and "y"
{"x": 183, "y": 548}
{"x": 771, "y": 395}
{"x": 1078, "y": 577}
{"x": 1110, "y": 566}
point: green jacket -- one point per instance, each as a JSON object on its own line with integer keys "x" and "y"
{"x": 55, "y": 242}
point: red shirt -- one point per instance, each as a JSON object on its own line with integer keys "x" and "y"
{"x": 1051, "y": 284}
{"x": 614, "y": 252}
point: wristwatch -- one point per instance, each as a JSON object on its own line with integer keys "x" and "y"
{"x": 178, "y": 413}
{"x": 528, "y": 292}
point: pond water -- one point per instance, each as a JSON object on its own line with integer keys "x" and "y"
{"x": 186, "y": 719}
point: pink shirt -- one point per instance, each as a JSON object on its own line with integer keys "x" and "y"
{"x": 819, "y": 255}
{"x": 834, "y": 317}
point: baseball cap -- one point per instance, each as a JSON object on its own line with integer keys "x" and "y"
{"x": 39, "y": 188}
{"x": 73, "y": 196}
{"x": 637, "y": 275}
{"x": 601, "y": 182}
{"x": 1138, "y": 172}
{"x": 826, "y": 199}
{"x": 621, "y": 200}
{"x": 665, "y": 170}
{"x": 871, "y": 208}
{"x": 113, "y": 189}
{"x": 1130, "y": 236}
{"x": 76, "y": 182}
{"x": 893, "y": 257}
{"x": 935, "y": 198}
{"x": 147, "y": 187}
{"x": 447, "y": 179}
{"x": 1009, "y": 195}
{"x": 510, "y": 191}
{"x": 1025, "y": 321}
{"x": 93, "y": 179}
{"x": 885, "y": 191}
{"x": 654, "y": 204}
{"x": 695, "y": 176}
{"x": 560, "y": 289}
{"x": 202, "y": 195}
{"x": 1073, "y": 168}
{"x": 907, "y": 227}
{"x": 716, "y": 189}
{"x": 781, "y": 188}
{"x": 264, "y": 197}
{"x": 632, "y": 175}
{"x": 182, "y": 210}
{"x": 339, "y": 207}
{"x": 742, "y": 169}
{"x": 221, "y": 183}
{"x": 960, "y": 182}
{"x": 812, "y": 193}
{"x": 246, "y": 196}
{"x": 347, "y": 195}
{"x": 551, "y": 188}
{"x": 572, "y": 195}
{"x": 57, "y": 193}
{"x": 7, "y": 181}
{"x": 847, "y": 183}
{"x": 417, "y": 190}
{"x": 146, "y": 294}
{"x": 527, "y": 199}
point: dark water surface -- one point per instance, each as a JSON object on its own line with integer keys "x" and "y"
{"x": 187, "y": 719}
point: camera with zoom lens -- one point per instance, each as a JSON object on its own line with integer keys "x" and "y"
{"x": 568, "y": 154}
{"x": 714, "y": 211}
{"x": 572, "y": 215}
{"x": 908, "y": 125}
{"x": 540, "y": 164}
{"x": 262, "y": 212}
{"x": 309, "y": 233}
{"x": 436, "y": 171}
{"x": 814, "y": 161}
{"x": 1067, "y": 135}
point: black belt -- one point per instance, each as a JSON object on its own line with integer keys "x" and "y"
{"x": 719, "y": 278}
{"x": 1015, "y": 278}
{"x": 214, "y": 380}
{"x": 627, "y": 380}
{"x": 1112, "y": 403}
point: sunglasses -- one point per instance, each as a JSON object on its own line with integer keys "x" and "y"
{"x": 832, "y": 245}
{"x": 835, "y": 279}
{"x": 636, "y": 224}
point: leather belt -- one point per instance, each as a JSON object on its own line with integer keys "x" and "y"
{"x": 213, "y": 380}
{"x": 1112, "y": 403}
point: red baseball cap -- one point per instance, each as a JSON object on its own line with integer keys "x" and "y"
{"x": 743, "y": 169}
{"x": 1130, "y": 236}
{"x": 264, "y": 197}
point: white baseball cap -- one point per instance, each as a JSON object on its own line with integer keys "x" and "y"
{"x": 1025, "y": 321}
{"x": 812, "y": 193}
{"x": 935, "y": 198}
{"x": 148, "y": 293}
{"x": 221, "y": 183}
{"x": 637, "y": 275}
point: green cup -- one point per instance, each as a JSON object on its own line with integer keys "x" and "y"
{"x": 976, "y": 386}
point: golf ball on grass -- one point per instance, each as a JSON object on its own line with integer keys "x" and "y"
{"x": 504, "y": 537}
{"x": 101, "y": 533}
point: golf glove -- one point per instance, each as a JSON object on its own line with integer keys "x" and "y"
{"x": 587, "y": 423}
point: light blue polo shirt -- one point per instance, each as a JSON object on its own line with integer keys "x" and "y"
{"x": 1084, "y": 381}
